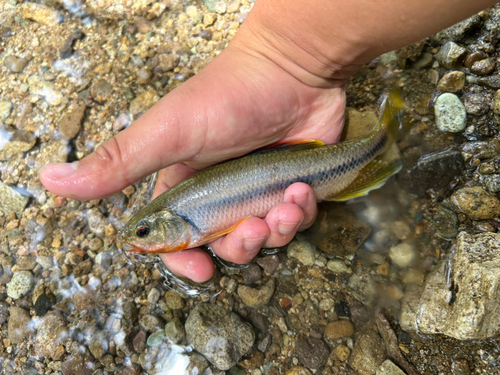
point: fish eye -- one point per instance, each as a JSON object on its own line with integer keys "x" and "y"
{"x": 142, "y": 231}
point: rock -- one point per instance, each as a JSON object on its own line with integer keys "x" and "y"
{"x": 78, "y": 364}
{"x": 142, "y": 25}
{"x": 98, "y": 344}
{"x": 368, "y": 352}
{"x": 11, "y": 201}
{"x": 5, "y": 110}
{"x": 339, "y": 329}
{"x": 143, "y": 102}
{"x": 222, "y": 337}
{"x": 496, "y": 103}
{"x": 460, "y": 367}
{"x": 464, "y": 306}
{"x": 482, "y": 150}
{"x": 67, "y": 48}
{"x": 42, "y": 305}
{"x": 174, "y": 330}
{"x": 168, "y": 62}
{"x": 313, "y": 353}
{"x": 4, "y": 312}
{"x": 411, "y": 52}
{"x": 402, "y": 255}
{"x": 492, "y": 183}
{"x": 150, "y": 323}
{"x": 342, "y": 352}
{"x": 18, "y": 141}
{"x": 253, "y": 297}
{"x": 303, "y": 251}
{"x": 52, "y": 152}
{"x": 19, "y": 325}
{"x": 451, "y": 55}
{"x": 71, "y": 122}
{"x": 483, "y": 67}
{"x": 139, "y": 341}
{"x": 251, "y": 274}
{"x": 121, "y": 122}
{"x": 450, "y": 113}
{"x": 144, "y": 76}
{"x": 155, "y": 339}
{"x": 425, "y": 61}
{"x": 476, "y": 104}
{"x": 339, "y": 231}
{"x": 153, "y": 296}
{"x": 459, "y": 30}
{"x": 49, "y": 334}
{"x": 104, "y": 259}
{"x": 493, "y": 82}
{"x": 40, "y": 13}
{"x": 255, "y": 360}
{"x": 44, "y": 89}
{"x": 269, "y": 264}
{"x": 362, "y": 287}
{"x": 101, "y": 90}
{"x": 389, "y": 368}
{"x": 20, "y": 284}
{"x": 197, "y": 364}
{"x": 298, "y": 370}
{"x": 451, "y": 82}
{"x": 15, "y": 64}
{"x": 97, "y": 221}
{"x": 174, "y": 300}
{"x": 445, "y": 222}
{"x": 476, "y": 203}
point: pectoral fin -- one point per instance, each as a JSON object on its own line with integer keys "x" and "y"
{"x": 371, "y": 177}
{"x": 214, "y": 236}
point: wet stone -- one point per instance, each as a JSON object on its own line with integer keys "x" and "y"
{"x": 425, "y": 61}
{"x": 269, "y": 264}
{"x": 5, "y": 110}
{"x": 4, "y": 312}
{"x": 253, "y": 297}
{"x": 251, "y": 274}
{"x": 101, "y": 90}
{"x": 99, "y": 344}
{"x": 40, "y": 13}
{"x": 459, "y": 30}
{"x": 15, "y": 64}
{"x": 303, "y": 251}
{"x": 168, "y": 62}
{"x": 155, "y": 339}
{"x": 150, "y": 323}
{"x": 450, "y": 113}
{"x": 451, "y": 82}
{"x": 97, "y": 221}
{"x": 52, "y": 152}
{"x": 19, "y": 325}
{"x": 402, "y": 255}
{"x": 174, "y": 330}
{"x": 445, "y": 222}
{"x": 451, "y": 55}
{"x": 460, "y": 367}
{"x": 71, "y": 122}
{"x": 67, "y": 48}
{"x": 298, "y": 370}
{"x": 42, "y": 305}
{"x": 144, "y": 76}
{"x": 174, "y": 300}
{"x": 153, "y": 296}
{"x": 476, "y": 203}
{"x": 483, "y": 67}
{"x": 339, "y": 329}
{"x": 362, "y": 287}
{"x": 219, "y": 335}
{"x": 337, "y": 266}
{"x": 493, "y": 81}
{"x": 143, "y": 102}
{"x": 78, "y": 364}
{"x": 492, "y": 183}
{"x": 139, "y": 341}
{"x": 389, "y": 368}
{"x": 48, "y": 329}
{"x": 20, "y": 284}
{"x": 11, "y": 201}
{"x": 476, "y": 104}
{"x": 368, "y": 352}
{"x": 45, "y": 89}
{"x": 197, "y": 364}
{"x": 254, "y": 362}
{"x": 482, "y": 150}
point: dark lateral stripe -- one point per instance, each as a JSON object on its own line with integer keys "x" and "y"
{"x": 308, "y": 179}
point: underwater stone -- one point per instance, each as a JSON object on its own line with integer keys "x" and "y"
{"x": 174, "y": 330}
{"x": 476, "y": 104}
{"x": 363, "y": 288}
{"x": 71, "y": 122}
{"x": 451, "y": 55}
{"x": 483, "y": 67}
{"x": 493, "y": 82}
{"x": 459, "y": 30}
{"x": 450, "y": 113}
{"x": 221, "y": 336}
{"x": 368, "y": 352}
{"x": 389, "y": 368}
{"x": 11, "y": 201}
{"x": 20, "y": 284}
{"x": 254, "y": 297}
{"x": 5, "y": 110}
{"x": 45, "y": 89}
{"x": 15, "y": 64}
{"x": 40, "y": 13}
{"x": 492, "y": 183}
{"x": 451, "y": 82}
{"x": 143, "y": 102}
{"x": 445, "y": 222}
{"x": 312, "y": 352}
{"x": 476, "y": 203}
{"x": 19, "y": 325}
{"x": 46, "y": 341}
{"x": 402, "y": 255}
{"x": 303, "y": 251}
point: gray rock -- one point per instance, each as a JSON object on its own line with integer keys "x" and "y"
{"x": 150, "y": 323}
{"x": 459, "y": 30}
{"x": 368, "y": 352}
{"x": 19, "y": 325}
{"x": 101, "y": 90}
{"x": 493, "y": 82}
{"x": 445, "y": 222}
{"x": 269, "y": 264}
{"x": 312, "y": 352}
{"x": 253, "y": 297}
{"x": 362, "y": 287}
{"x": 303, "y": 251}
{"x": 481, "y": 150}
{"x": 451, "y": 55}
{"x": 11, "y": 201}
{"x": 476, "y": 104}
{"x": 15, "y": 64}
{"x": 49, "y": 334}
{"x": 463, "y": 304}
{"x": 4, "y": 312}
{"x": 20, "y": 284}
{"x": 389, "y": 368}
{"x": 450, "y": 113}
{"x": 121, "y": 122}
{"x": 221, "y": 336}
{"x": 492, "y": 183}
{"x": 197, "y": 364}
{"x": 97, "y": 221}
{"x": 402, "y": 255}
{"x": 251, "y": 274}
{"x": 174, "y": 330}
{"x": 104, "y": 259}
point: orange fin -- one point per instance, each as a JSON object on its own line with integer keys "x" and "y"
{"x": 225, "y": 231}
{"x": 301, "y": 144}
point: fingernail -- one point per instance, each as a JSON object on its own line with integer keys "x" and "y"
{"x": 61, "y": 170}
{"x": 287, "y": 228}
{"x": 252, "y": 244}
{"x": 301, "y": 199}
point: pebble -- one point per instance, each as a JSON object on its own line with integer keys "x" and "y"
{"x": 155, "y": 339}
{"x": 483, "y": 67}
{"x": 445, "y": 221}
{"x": 25, "y": 263}
{"x": 97, "y": 221}
{"x": 476, "y": 104}
{"x": 174, "y": 300}
{"x": 476, "y": 203}
{"x": 45, "y": 89}
{"x": 40, "y": 13}
{"x": 78, "y": 364}
{"x": 339, "y": 329}
{"x": 402, "y": 255}
{"x": 209, "y": 324}
{"x": 492, "y": 183}
{"x": 45, "y": 261}
{"x": 342, "y": 353}
{"x": 143, "y": 102}
{"x": 337, "y": 266}
{"x": 168, "y": 62}
{"x": 20, "y": 284}
{"x": 67, "y": 48}
{"x": 19, "y": 325}
{"x": 298, "y": 370}
{"x": 71, "y": 122}
{"x": 493, "y": 81}
{"x": 197, "y": 364}
{"x": 450, "y": 113}
{"x": 312, "y": 352}
{"x": 144, "y": 76}
{"x": 99, "y": 344}
{"x": 362, "y": 287}
{"x": 4, "y": 312}
{"x": 254, "y": 362}
{"x": 303, "y": 251}
{"x": 368, "y": 352}
{"x": 451, "y": 82}
{"x": 15, "y": 64}
{"x": 139, "y": 341}
{"x": 5, "y": 110}
{"x": 460, "y": 367}
{"x": 459, "y": 30}
{"x": 121, "y": 122}
{"x": 174, "y": 330}
{"x": 451, "y": 55}
{"x": 424, "y": 61}
{"x": 496, "y": 102}
{"x": 253, "y": 297}
{"x": 101, "y": 90}
{"x": 52, "y": 152}
{"x": 251, "y": 274}
{"x": 389, "y": 368}
{"x": 48, "y": 336}
{"x": 150, "y": 323}
{"x": 269, "y": 264}
{"x": 153, "y": 296}
{"x": 11, "y": 201}
{"x": 472, "y": 58}
{"x": 42, "y": 305}
{"x": 142, "y": 25}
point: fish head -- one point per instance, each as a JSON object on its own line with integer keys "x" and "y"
{"x": 157, "y": 232}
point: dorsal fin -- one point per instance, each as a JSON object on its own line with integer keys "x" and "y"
{"x": 302, "y": 144}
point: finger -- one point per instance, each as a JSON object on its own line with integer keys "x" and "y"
{"x": 243, "y": 244}
{"x": 171, "y": 176}
{"x": 283, "y": 220}
{"x": 303, "y": 196}
{"x": 194, "y": 264}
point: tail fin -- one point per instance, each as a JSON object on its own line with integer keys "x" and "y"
{"x": 393, "y": 118}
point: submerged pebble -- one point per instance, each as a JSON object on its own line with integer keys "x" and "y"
{"x": 451, "y": 82}
{"x": 20, "y": 284}
{"x": 450, "y": 113}
{"x": 15, "y": 64}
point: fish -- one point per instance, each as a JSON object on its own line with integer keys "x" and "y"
{"x": 214, "y": 201}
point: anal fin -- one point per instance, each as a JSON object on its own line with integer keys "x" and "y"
{"x": 213, "y": 236}
{"x": 371, "y": 177}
